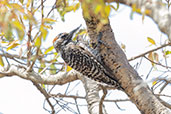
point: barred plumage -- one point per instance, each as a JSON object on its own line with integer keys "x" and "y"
{"x": 81, "y": 60}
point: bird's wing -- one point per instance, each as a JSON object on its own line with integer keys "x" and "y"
{"x": 84, "y": 62}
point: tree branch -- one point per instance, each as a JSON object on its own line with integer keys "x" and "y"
{"x": 60, "y": 78}
{"x": 47, "y": 96}
{"x": 59, "y": 95}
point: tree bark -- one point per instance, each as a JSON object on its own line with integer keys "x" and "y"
{"x": 113, "y": 57}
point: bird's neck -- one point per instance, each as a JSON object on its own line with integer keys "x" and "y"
{"x": 65, "y": 47}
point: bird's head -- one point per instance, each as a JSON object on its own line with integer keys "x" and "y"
{"x": 63, "y": 38}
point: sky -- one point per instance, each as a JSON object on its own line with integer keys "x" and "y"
{"x": 19, "y": 96}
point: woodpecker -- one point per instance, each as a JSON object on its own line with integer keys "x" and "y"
{"x": 82, "y": 60}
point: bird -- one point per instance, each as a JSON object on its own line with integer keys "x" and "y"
{"x": 82, "y": 60}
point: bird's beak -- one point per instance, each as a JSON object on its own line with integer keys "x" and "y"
{"x": 73, "y": 31}
{"x": 55, "y": 39}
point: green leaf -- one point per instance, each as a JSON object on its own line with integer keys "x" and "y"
{"x": 151, "y": 41}
{"x": 17, "y": 7}
{"x": 52, "y": 66}
{"x": 43, "y": 86}
{"x": 167, "y": 52}
{"x": 1, "y": 61}
{"x": 107, "y": 10}
{"x": 13, "y": 45}
{"x": 20, "y": 34}
{"x": 154, "y": 83}
{"x": 69, "y": 8}
{"x": 28, "y": 3}
{"x": 55, "y": 53}
{"x": 42, "y": 66}
{"x": 9, "y": 33}
{"x": 21, "y": 1}
{"x": 43, "y": 32}
{"x": 98, "y": 9}
{"x": 49, "y": 49}
{"x": 48, "y": 27}
{"x": 76, "y": 7}
{"x": 18, "y": 25}
{"x": 19, "y": 28}
{"x": 38, "y": 41}
{"x": 68, "y": 68}
{"x": 48, "y": 20}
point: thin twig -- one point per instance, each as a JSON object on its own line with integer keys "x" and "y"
{"x": 118, "y": 100}
{"x": 163, "y": 87}
{"x": 157, "y": 63}
{"x": 76, "y": 104}
{"x": 40, "y": 5}
{"x": 15, "y": 57}
{"x": 42, "y": 11}
{"x": 143, "y": 54}
{"x": 102, "y": 100}
{"x": 11, "y": 56}
{"x": 33, "y": 62}
{"x": 119, "y": 107}
{"x": 67, "y": 88}
{"x": 67, "y": 96}
{"x": 163, "y": 95}
{"x": 160, "y": 82}
{"x": 167, "y": 80}
{"x": 53, "y": 7}
{"x": 29, "y": 37}
{"x": 45, "y": 69}
{"x": 64, "y": 106}
{"x": 149, "y": 72}
{"x": 73, "y": 87}
{"x": 22, "y": 63}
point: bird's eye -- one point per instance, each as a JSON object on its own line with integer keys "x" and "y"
{"x": 64, "y": 36}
